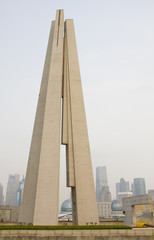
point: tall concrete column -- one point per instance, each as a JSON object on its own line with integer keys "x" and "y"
{"x": 75, "y": 135}
{"x": 40, "y": 203}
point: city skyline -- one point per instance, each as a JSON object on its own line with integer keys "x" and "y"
{"x": 117, "y": 189}
{"x": 116, "y": 63}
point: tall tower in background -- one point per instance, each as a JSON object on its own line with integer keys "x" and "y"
{"x": 151, "y": 192}
{"x": 11, "y": 192}
{"x": 122, "y": 186}
{"x": 61, "y": 79}
{"x": 1, "y": 195}
{"x": 139, "y": 187}
{"x": 102, "y": 190}
{"x": 20, "y": 191}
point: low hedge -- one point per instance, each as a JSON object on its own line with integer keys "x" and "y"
{"x": 63, "y": 227}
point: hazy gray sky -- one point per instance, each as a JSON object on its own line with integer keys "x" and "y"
{"x": 115, "y": 42}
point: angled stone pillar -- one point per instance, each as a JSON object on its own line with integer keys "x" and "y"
{"x": 40, "y": 203}
{"x": 61, "y": 79}
{"x": 75, "y": 135}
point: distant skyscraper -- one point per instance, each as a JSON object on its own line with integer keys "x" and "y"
{"x": 20, "y": 191}
{"x": 132, "y": 188}
{"x": 102, "y": 190}
{"x": 1, "y": 195}
{"x": 151, "y": 192}
{"x": 105, "y": 194}
{"x": 122, "y": 186}
{"x": 11, "y": 192}
{"x": 117, "y": 189}
{"x": 139, "y": 186}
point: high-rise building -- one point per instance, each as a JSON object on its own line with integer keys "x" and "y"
{"x": 132, "y": 188}
{"x": 151, "y": 192}
{"x": 139, "y": 187}
{"x": 11, "y": 192}
{"x": 102, "y": 190}
{"x": 122, "y": 186}
{"x": 20, "y": 191}
{"x": 117, "y": 189}
{"x": 101, "y": 180}
{"x": 105, "y": 194}
{"x": 1, "y": 195}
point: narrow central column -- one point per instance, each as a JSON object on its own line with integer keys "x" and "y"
{"x": 75, "y": 136}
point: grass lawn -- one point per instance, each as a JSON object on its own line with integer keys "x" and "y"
{"x": 86, "y": 227}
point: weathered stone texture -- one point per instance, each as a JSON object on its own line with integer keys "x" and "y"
{"x": 9, "y": 213}
{"x": 134, "y": 234}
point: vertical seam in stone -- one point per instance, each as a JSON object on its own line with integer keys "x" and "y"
{"x": 59, "y": 12}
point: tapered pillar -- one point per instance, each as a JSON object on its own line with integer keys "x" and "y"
{"x": 75, "y": 136}
{"x": 40, "y": 203}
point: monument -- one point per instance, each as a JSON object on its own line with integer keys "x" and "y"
{"x": 61, "y": 83}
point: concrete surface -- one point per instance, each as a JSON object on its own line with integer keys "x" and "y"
{"x": 40, "y": 203}
{"x": 134, "y": 234}
{"x": 9, "y": 214}
{"x": 128, "y": 205}
{"x": 75, "y": 136}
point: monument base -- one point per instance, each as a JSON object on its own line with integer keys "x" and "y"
{"x": 134, "y": 234}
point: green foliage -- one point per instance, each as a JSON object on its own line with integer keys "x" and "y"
{"x": 63, "y": 227}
